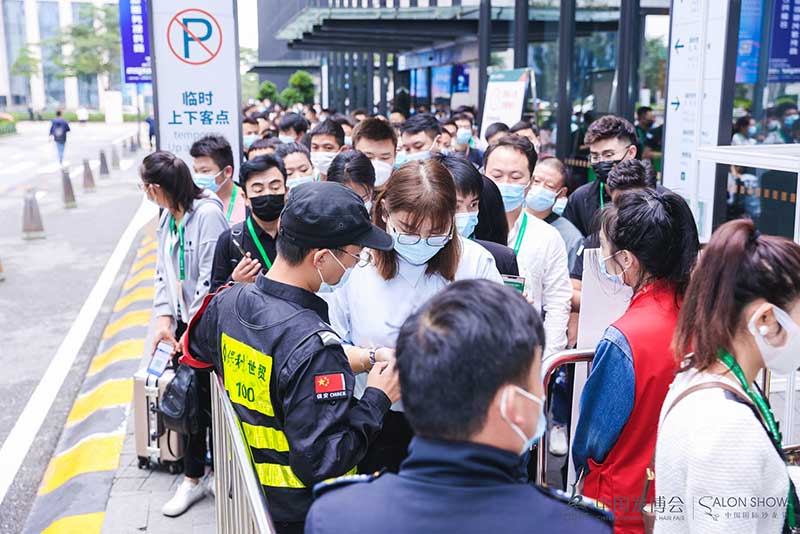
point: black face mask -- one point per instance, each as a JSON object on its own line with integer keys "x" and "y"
{"x": 267, "y": 207}
{"x": 602, "y": 168}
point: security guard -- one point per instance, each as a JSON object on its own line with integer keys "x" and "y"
{"x": 474, "y": 398}
{"x": 283, "y": 366}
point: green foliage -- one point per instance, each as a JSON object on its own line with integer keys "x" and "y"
{"x": 268, "y": 90}
{"x": 653, "y": 68}
{"x": 303, "y": 83}
{"x": 249, "y": 86}
{"x": 94, "y": 43}
{"x": 291, "y": 96}
{"x": 26, "y": 64}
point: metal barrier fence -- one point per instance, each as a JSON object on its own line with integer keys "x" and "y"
{"x": 240, "y": 504}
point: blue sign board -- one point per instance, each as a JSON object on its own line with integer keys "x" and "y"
{"x": 135, "y": 41}
{"x": 784, "y": 54}
{"x": 749, "y": 41}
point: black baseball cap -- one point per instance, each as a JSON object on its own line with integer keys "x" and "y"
{"x": 329, "y": 215}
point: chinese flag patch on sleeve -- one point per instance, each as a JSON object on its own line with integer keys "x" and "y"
{"x": 329, "y": 387}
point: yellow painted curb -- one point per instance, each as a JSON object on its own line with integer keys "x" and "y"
{"x": 130, "y": 349}
{"x": 89, "y": 456}
{"x": 135, "y": 318}
{"x": 146, "y": 248}
{"x": 141, "y": 276}
{"x": 137, "y": 295}
{"x": 147, "y": 261}
{"x": 77, "y": 524}
{"x": 107, "y": 394}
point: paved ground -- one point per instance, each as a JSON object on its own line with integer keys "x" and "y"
{"x": 47, "y": 281}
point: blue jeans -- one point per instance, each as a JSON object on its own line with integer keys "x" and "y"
{"x": 60, "y": 147}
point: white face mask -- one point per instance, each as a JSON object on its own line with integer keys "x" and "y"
{"x": 786, "y": 358}
{"x": 322, "y": 160}
{"x": 382, "y": 172}
{"x": 541, "y": 424}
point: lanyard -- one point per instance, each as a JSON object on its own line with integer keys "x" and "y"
{"x": 602, "y": 200}
{"x": 258, "y": 243}
{"x": 181, "y": 260}
{"x": 232, "y": 202}
{"x": 769, "y": 418}
{"x": 521, "y": 234}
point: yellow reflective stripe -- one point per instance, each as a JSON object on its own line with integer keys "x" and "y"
{"x": 263, "y": 437}
{"x": 278, "y": 476}
{"x": 97, "y": 453}
{"x": 141, "y": 276}
{"x": 130, "y": 319}
{"x": 137, "y": 295}
{"x": 147, "y": 261}
{"x": 74, "y": 524}
{"x": 130, "y": 349}
{"x": 111, "y": 393}
{"x": 147, "y": 248}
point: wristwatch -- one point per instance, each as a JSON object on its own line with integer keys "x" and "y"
{"x": 372, "y": 356}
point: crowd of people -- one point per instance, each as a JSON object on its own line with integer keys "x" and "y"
{"x": 381, "y": 295}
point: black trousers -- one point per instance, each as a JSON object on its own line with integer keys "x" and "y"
{"x": 390, "y": 447}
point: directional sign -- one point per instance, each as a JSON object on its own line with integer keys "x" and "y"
{"x": 196, "y": 73}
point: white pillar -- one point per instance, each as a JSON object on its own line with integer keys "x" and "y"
{"x": 70, "y": 84}
{"x": 5, "y": 80}
{"x": 32, "y": 33}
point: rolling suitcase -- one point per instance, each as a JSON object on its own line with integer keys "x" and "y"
{"x": 156, "y": 446}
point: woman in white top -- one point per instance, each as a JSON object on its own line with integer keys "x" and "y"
{"x": 417, "y": 207}
{"x": 718, "y": 465}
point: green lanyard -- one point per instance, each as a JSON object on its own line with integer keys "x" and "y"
{"x": 181, "y": 260}
{"x": 258, "y": 243}
{"x": 233, "y": 201}
{"x": 769, "y": 418}
{"x": 521, "y": 234}
{"x": 602, "y": 200}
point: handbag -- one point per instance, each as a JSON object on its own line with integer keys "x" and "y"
{"x": 180, "y": 406}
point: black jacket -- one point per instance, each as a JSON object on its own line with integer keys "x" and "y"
{"x": 291, "y": 387}
{"x": 504, "y": 257}
{"x": 227, "y": 256}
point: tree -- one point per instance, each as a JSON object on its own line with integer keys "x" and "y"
{"x": 302, "y": 82}
{"x": 653, "y": 70}
{"x": 291, "y": 96}
{"x": 26, "y": 64}
{"x": 268, "y": 90}
{"x": 93, "y": 44}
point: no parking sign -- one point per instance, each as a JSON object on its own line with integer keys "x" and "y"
{"x": 195, "y": 54}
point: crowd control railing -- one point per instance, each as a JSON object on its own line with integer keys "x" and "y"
{"x": 567, "y": 357}
{"x": 240, "y": 504}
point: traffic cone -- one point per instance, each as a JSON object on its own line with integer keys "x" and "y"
{"x": 32, "y": 227}
{"x": 114, "y": 158}
{"x": 88, "y": 177}
{"x": 104, "y": 165}
{"x": 69, "y": 193}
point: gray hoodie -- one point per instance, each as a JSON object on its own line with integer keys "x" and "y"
{"x": 203, "y": 225}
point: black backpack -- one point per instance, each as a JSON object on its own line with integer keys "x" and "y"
{"x": 180, "y": 406}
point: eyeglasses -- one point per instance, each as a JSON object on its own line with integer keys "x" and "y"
{"x": 608, "y": 155}
{"x": 433, "y": 240}
{"x": 144, "y": 186}
{"x": 363, "y": 259}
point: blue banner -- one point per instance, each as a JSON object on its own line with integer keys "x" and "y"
{"x": 749, "y": 41}
{"x": 135, "y": 41}
{"x": 784, "y": 55}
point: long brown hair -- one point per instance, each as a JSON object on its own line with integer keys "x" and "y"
{"x": 427, "y": 192}
{"x": 737, "y": 267}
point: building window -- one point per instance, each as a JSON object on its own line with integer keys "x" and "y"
{"x": 16, "y": 39}
{"x": 49, "y": 28}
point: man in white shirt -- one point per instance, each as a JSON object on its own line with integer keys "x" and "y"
{"x": 541, "y": 252}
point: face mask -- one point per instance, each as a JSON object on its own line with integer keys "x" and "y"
{"x": 207, "y": 181}
{"x": 445, "y": 152}
{"x": 602, "y": 168}
{"x": 399, "y": 160}
{"x": 249, "y": 140}
{"x": 327, "y": 288}
{"x": 751, "y": 131}
{"x": 560, "y": 206}
{"x": 541, "y": 424}
{"x": 417, "y": 156}
{"x": 417, "y": 254}
{"x": 348, "y": 140}
{"x": 466, "y": 223}
{"x": 513, "y": 195}
{"x": 382, "y": 172}
{"x": 463, "y": 135}
{"x": 614, "y": 278}
{"x": 790, "y": 120}
{"x": 286, "y": 139}
{"x": 322, "y": 160}
{"x": 368, "y": 205}
{"x": 267, "y": 207}
{"x": 540, "y": 199}
{"x": 292, "y": 182}
{"x": 785, "y": 359}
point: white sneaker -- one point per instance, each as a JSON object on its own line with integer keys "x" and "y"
{"x": 188, "y": 493}
{"x": 210, "y": 482}
{"x": 558, "y": 440}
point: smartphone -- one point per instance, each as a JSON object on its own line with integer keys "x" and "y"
{"x": 239, "y": 246}
{"x": 160, "y": 359}
{"x": 516, "y": 282}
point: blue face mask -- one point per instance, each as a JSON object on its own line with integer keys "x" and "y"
{"x": 513, "y": 195}
{"x": 751, "y": 131}
{"x": 348, "y": 140}
{"x": 540, "y": 199}
{"x": 560, "y": 206}
{"x": 328, "y": 288}
{"x": 614, "y": 278}
{"x": 790, "y": 120}
{"x": 250, "y": 139}
{"x": 207, "y": 181}
{"x": 463, "y": 135}
{"x": 466, "y": 223}
{"x": 293, "y": 182}
{"x": 419, "y": 253}
{"x": 418, "y": 156}
{"x": 286, "y": 139}
{"x": 541, "y": 424}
